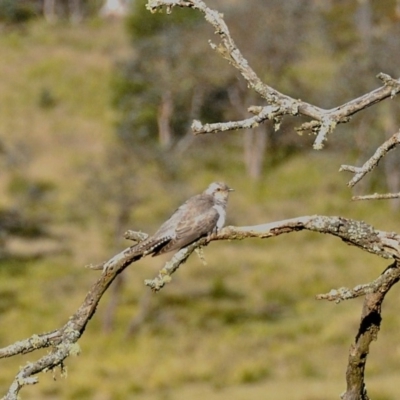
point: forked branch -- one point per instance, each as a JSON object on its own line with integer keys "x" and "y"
{"x": 63, "y": 341}
{"x": 323, "y": 121}
{"x": 367, "y": 333}
{"x": 360, "y": 172}
{"x": 279, "y": 105}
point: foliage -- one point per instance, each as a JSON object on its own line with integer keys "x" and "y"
{"x": 143, "y": 25}
{"x": 318, "y": 46}
{"x": 16, "y": 11}
{"x": 170, "y": 64}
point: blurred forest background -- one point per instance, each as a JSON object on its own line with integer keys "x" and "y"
{"x": 95, "y": 114}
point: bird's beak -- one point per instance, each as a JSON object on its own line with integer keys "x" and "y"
{"x": 231, "y": 190}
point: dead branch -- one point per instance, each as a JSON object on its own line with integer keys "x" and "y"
{"x": 356, "y": 233}
{"x": 323, "y": 121}
{"x": 367, "y": 333}
{"x": 63, "y": 341}
{"x": 343, "y": 293}
{"x": 377, "y": 196}
{"x": 360, "y": 172}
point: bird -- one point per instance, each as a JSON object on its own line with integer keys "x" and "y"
{"x": 200, "y": 216}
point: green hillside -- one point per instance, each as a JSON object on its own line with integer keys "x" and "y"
{"x": 247, "y": 324}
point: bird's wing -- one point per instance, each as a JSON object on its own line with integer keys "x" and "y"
{"x": 196, "y": 226}
{"x": 196, "y": 205}
{"x": 194, "y": 219}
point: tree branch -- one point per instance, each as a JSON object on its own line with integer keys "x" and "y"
{"x": 356, "y": 233}
{"x": 343, "y": 293}
{"x": 323, "y": 121}
{"x": 377, "y": 196}
{"x": 64, "y": 340}
{"x": 360, "y": 172}
{"x": 368, "y": 332}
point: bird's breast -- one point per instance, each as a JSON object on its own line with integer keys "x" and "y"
{"x": 222, "y": 215}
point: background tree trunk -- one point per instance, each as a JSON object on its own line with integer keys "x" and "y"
{"x": 49, "y": 10}
{"x": 164, "y": 120}
{"x": 255, "y": 143}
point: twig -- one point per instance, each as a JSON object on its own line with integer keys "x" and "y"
{"x": 356, "y": 233}
{"x": 135, "y": 236}
{"x": 377, "y": 196}
{"x": 64, "y": 340}
{"x": 270, "y": 113}
{"x": 327, "y": 126}
{"x": 368, "y": 331}
{"x": 343, "y": 293}
{"x": 164, "y": 276}
{"x": 323, "y": 121}
{"x": 369, "y": 165}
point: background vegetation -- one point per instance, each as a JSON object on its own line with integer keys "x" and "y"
{"x": 83, "y": 159}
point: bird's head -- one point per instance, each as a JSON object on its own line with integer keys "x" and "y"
{"x": 219, "y": 190}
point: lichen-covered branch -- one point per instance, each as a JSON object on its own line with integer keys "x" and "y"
{"x": 360, "y": 172}
{"x": 367, "y": 333}
{"x": 63, "y": 341}
{"x": 264, "y": 113}
{"x": 356, "y": 233}
{"x": 344, "y": 293}
{"x": 377, "y": 196}
{"x": 323, "y": 121}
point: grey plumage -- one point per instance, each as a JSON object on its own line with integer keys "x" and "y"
{"x": 200, "y": 216}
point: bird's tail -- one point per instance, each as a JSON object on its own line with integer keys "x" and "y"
{"x": 151, "y": 245}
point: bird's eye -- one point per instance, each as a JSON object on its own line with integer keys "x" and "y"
{"x": 218, "y": 189}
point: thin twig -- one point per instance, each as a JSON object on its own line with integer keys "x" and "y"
{"x": 368, "y": 332}
{"x": 377, "y": 196}
{"x": 343, "y": 293}
{"x": 357, "y": 233}
{"x": 381, "y": 151}
{"x": 323, "y": 121}
{"x": 64, "y": 340}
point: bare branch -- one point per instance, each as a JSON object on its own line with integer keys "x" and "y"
{"x": 377, "y": 196}
{"x": 135, "y": 236}
{"x": 343, "y": 293}
{"x": 59, "y": 353}
{"x": 327, "y": 126}
{"x": 323, "y": 121}
{"x": 164, "y": 276}
{"x": 368, "y": 332}
{"x": 64, "y": 340}
{"x": 390, "y": 82}
{"x": 369, "y": 165}
{"x": 356, "y": 233}
{"x": 266, "y": 113}
{"x": 375, "y": 293}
